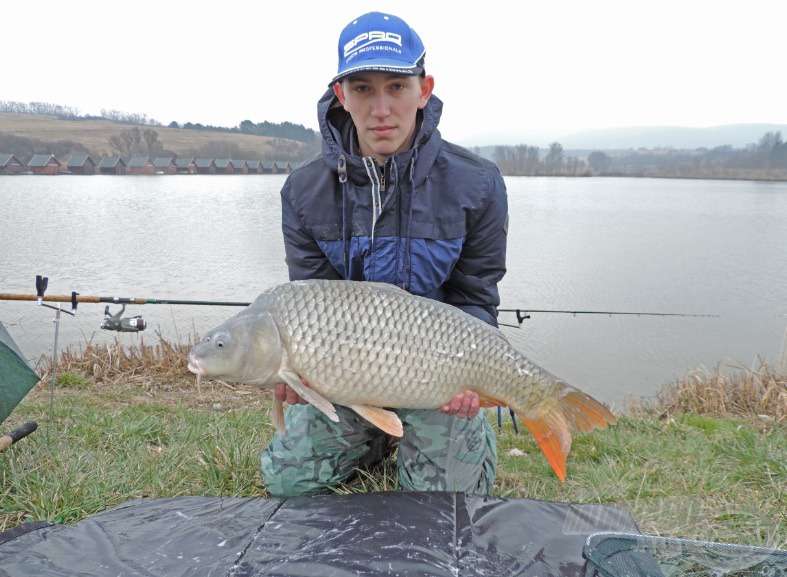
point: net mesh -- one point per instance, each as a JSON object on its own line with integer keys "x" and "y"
{"x": 632, "y": 555}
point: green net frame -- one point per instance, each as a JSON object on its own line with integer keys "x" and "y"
{"x": 632, "y": 555}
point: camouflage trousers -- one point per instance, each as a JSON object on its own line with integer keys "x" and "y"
{"x": 436, "y": 453}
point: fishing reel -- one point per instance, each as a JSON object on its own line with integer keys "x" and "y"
{"x": 121, "y": 325}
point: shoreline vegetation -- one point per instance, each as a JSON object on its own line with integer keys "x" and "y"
{"x": 706, "y": 459}
{"x": 27, "y": 130}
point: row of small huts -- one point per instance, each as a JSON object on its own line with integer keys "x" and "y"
{"x": 48, "y": 164}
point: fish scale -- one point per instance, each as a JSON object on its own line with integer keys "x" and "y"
{"x": 317, "y": 354}
{"x": 371, "y": 346}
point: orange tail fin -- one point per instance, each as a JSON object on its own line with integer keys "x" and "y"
{"x": 552, "y": 425}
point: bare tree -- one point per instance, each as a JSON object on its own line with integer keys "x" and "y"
{"x": 151, "y": 141}
{"x": 128, "y": 142}
{"x": 502, "y": 157}
{"x": 532, "y": 161}
{"x": 554, "y": 158}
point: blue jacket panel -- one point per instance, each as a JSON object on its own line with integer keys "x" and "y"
{"x": 432, "y": 220}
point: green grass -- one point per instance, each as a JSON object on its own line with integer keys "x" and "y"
{"x": 697, "y": 478}
{"x": 91, "y": 457}
{"x": 692, "y": 474}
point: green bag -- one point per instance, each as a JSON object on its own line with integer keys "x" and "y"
{"x": 16, "y": 375}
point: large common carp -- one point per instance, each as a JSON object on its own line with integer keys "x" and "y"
{"x": 372, "y": 345}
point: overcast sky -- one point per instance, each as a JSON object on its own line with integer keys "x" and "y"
{"x": 500, "y": 67}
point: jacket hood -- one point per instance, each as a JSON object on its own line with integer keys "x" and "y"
{"x": 338, "y": 136}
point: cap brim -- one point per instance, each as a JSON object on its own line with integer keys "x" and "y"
{"x": 389, "y": 68}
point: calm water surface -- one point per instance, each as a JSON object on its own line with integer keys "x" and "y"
{"x": 647, "y": 245}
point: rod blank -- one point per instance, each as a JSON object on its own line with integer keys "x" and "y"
{"x": 117, "y": 300}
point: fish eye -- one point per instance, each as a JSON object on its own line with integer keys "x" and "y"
{"x": 222, "y": 339}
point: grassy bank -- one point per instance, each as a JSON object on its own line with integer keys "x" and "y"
{"x": 706, "y": 460}
{"x": 94, "y": 135}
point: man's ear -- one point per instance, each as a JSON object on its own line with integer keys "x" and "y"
{"x": 338, "y": 90}
{"x": 427, "y": 87}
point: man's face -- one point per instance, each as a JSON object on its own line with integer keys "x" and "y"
{"x": 383, "y": 107}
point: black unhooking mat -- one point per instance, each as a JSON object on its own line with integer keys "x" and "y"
{"x": 396, "y": 533}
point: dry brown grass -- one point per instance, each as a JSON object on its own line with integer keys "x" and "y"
{"x": 142, "y": 374}
{"x": 110, "y": 363}
{"x": 95, "y": 134}
{"x": 756, "y": 392}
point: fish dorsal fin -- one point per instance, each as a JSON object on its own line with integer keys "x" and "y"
{"x": 388, "y": 421}
{"x": 309, "y": 395}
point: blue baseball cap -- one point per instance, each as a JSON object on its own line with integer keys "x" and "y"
{"x": 377, "y": 42}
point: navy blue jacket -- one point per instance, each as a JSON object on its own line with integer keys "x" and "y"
{"x": 433, "y": 220}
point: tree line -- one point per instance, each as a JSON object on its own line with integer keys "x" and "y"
{"x": 40, "y": 108}
{"x": 768, "y": 155}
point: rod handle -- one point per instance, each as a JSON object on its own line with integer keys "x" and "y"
{"x": 17, "y": 434}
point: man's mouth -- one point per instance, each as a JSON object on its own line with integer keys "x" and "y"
{"x": 383, "y": 130}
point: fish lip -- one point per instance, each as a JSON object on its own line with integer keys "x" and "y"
{"x": 195, "y": 367}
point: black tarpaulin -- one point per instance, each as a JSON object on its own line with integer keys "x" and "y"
{"x": 387, "y": 533}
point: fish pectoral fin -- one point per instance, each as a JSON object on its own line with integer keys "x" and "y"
{"x": 388, "y": 421}
{"x": 277, "y": 415}
{"x": 310, "y": 395}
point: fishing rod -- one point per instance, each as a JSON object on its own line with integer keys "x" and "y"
{"x": 523, "y": 314}
{"x": 78, "y": 298}
{"x": 112, "y": 322}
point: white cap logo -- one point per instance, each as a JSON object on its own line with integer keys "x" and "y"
{"x": 366, "y": 38}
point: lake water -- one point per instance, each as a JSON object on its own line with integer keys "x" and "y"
{"x": 594, "y": 244}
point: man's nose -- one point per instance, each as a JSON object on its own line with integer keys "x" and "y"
{"x": 380, "y": 108}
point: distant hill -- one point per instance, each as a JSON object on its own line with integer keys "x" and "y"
{"x": 735, "y": 135}
{"x": 49, "y": 134}
{"x": 634, "y": 137}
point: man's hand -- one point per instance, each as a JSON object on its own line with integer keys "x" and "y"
{"x": 463, "y": 406}
{"x": 284, "y": 394}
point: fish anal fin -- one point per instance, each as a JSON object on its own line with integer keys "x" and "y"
{"x": 553, "y": 436}
{"x": 277, "y": 416}
{"x": 383, "y": 419}
{"x": 309, "y": 394}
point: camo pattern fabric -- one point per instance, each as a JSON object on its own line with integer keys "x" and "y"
{"x": 436, "y": 453}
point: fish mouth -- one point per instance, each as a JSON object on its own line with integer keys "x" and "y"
{"x": 195, "y": 367}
